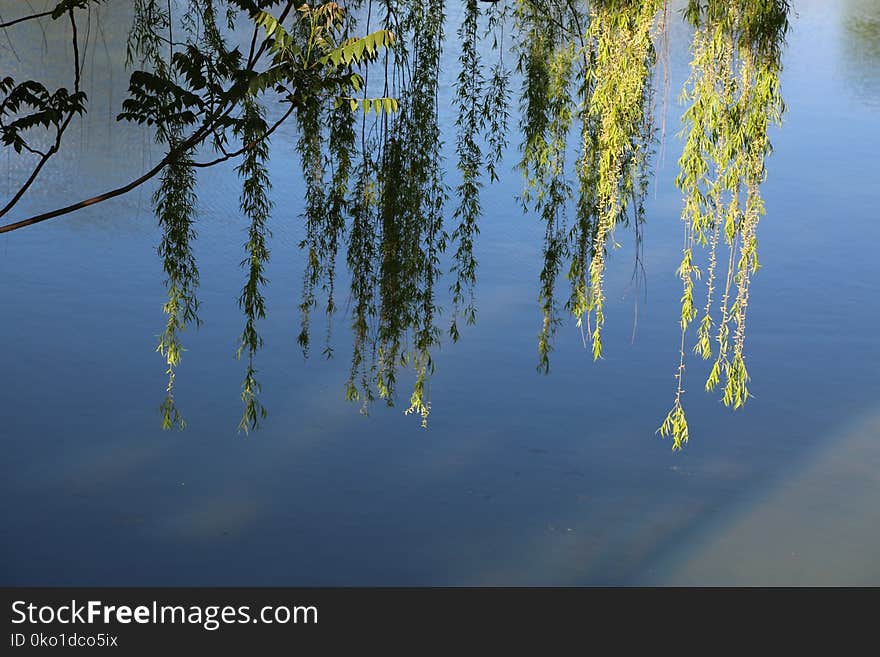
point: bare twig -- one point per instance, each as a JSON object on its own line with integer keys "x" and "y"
{"x": 248, "y": 146}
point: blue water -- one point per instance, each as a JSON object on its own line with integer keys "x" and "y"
{"x": 520, "y": 478}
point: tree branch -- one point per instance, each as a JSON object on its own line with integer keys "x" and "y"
{"x": 249, "y": 145}
{"x": 193, "y": 140}
{"x": 16, "y": 21}
{"x": 60, "y": 129}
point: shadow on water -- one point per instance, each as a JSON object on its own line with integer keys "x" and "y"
{"x": 827, "y": 510}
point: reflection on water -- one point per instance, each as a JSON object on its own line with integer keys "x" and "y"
{"x": 519, "y": 479}
{"x": 860, "y": 48}
{"x": 827, "y": 511}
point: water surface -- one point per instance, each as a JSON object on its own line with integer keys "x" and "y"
{"x": 520, "y": 478}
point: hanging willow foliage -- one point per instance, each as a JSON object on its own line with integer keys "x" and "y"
{"x": 546, "y": 63}
{"x": 593, "y": 67}
{"x": 469, "y": 92}
{"x": 622, "y": 57}
{"x": 256, "y": 206}
{"x": 412, "y": 214}
{"x": 362, "y": 83}
{"x": 734, "y": 98}
{"x": 175, "y": 201}
{"x": 394, "y": 208}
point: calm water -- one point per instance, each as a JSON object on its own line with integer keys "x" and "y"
{"x": 520, "y": 478}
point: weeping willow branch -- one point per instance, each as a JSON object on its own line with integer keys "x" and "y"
{"x": 734, "y": 97}
{"x": 341, "y": 146}
{"x": 623, "y": 57}
{"x": 469, "y": 91}
{"x": 310, "y": 147}
{"x": 175, "y": 201}
{"x": 256, "y": 206}
{"x": 545, "y": 61}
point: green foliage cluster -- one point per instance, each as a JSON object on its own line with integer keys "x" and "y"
{"x": 481, "y": 101}
{"x": 622, "y": 58}
{"x": 375, "y": 178}
{"x": 734, "y": 97}
{"x": 391, "y": 195}
{"x": 589, "y": 65}
{"x": 547, "y": 57}
{"x": 31, "y": 105}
